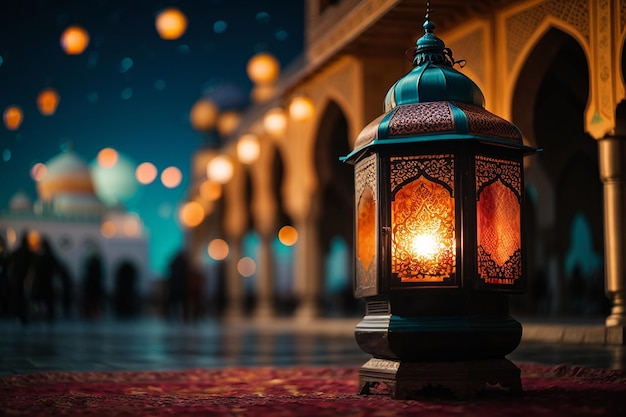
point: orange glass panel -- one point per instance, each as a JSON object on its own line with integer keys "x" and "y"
{"x": 498, "y": 217}
{"x": 423, "y": 232}
{"x": 366, "y": 228}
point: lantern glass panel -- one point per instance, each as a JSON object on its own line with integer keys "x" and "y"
{"x": 366, "y": 224}
{"x": 423, "y": 237}
{"x": 498, "y": 216}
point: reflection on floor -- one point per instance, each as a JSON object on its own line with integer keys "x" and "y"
{"x": 161, "y": 345}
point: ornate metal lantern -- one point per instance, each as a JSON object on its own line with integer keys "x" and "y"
{"x": 439, "y": 197}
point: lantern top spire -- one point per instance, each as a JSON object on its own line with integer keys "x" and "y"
{"x": 429, "y": 48}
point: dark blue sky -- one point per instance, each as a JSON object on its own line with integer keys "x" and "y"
{"x": 142, "y": 111}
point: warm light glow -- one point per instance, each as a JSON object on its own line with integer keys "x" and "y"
{"x": 228, "y": 122}
{"x": 47, "y": 101}
{"x": 246, "y": 267}
{"x": 220, "y": 169}
{"x": 107, "y": 157}
{"x": 39, "y": 171}
{"x": 301, "y": 108}
{"x": 11, "y": 236}
{"x": 426, "y": 246}
{"x": 275, "y": 122}
{"x": 210, "y": 190}
{"x": 108, "y": 229}
{"x": 74, "y": 40}
{"x": 13, "y": 117}
{"x": 191, "y": 214}
{"x": 262, "y": 92}
{"x": 171, "y": 177}
{"x": 171, "y": 23}
{"x": 203, "y": 115}
{"x": 218, "y": 249}
{"x": 248, "y": 149}
{"x": 263, "y": 68}
{"x": 145, "y": 173}
{"x": 131, "y": 227}
{"x": 34, "y": 240}
{"x": 288, "y": 235}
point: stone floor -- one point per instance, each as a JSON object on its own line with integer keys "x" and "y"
{"x": 154, "y": 344}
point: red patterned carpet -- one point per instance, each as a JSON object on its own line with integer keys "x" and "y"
{"x": 276, "y": 392}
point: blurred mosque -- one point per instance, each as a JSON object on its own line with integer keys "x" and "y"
{"x": 78, "y": 211}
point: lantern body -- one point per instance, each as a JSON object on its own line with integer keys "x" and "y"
{"x": 438, "y": 233}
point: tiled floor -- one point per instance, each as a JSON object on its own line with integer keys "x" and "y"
{"x": 160, "y": 345}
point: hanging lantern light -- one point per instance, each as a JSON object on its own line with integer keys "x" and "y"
{"x": 263, "y": 68}
{"x": 301, "y": 108}
{"x": 439, "y": 206}
{"x": 203, "y": 115}
{"x": 13, "y": 117}
{"x": 248, "y": 149}
{"x": 220, "y": 169}
{"x": 74, "y": 40}
{"x": 275, "y": 122}
{"x": 47, "y": 101}
{"x": 171, "y": 23}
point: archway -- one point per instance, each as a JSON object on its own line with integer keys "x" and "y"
{"x": 335, "y": 211}
{"x": 549, "y": 104}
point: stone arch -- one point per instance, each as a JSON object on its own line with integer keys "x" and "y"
{"x": 335, "y": 195}
{"x": 549, "y": 103}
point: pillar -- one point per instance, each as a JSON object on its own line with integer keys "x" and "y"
{"x": 265, "y": 279}
{"x": 307, "y": 270}
{"x": 612, "y": 158}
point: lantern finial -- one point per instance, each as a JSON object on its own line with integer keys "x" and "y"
{"x": 430, "y": 48}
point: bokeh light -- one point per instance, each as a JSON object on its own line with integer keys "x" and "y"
{"x": 47, "y": 101}
{"x": 107, "y": 157}
{"x": 146, "y": 173}
{"x": 248, "y": 148}
{"x": 74, "y": 40}
{"x": 275, "y": 122}
{"x": 171, "y": 177}
{"x": 171, "y": 23}
{"x": 246, "y": 267}
{"x": 191, "y": 214}
{"x": 13, "y": 117}
{"x": 131, "y": 226}
{"x": 288, "y": 235}
{"x": 220, "y": 169}
{"x": 39, "y": 171}
{"x": 210, "y": 190}
{"x": 218, "y": 249}
{"x": 203, "y": 115}
{"x": 263, "y": 68}
{"x": 228, "y": 122}
{"x": 108, "y": 229}
{"x": 301, "y": 108}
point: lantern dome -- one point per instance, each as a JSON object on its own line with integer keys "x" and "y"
{"x": 435, "y": 102}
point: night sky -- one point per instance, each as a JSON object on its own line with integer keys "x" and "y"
{"x": 130, "y": 89}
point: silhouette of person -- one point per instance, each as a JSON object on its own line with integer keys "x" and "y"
{"x": 19, "y": 271}
{"x": 46, "y": 269}
{"x": 93, "y": 287}
{"x": 126, "y": 291}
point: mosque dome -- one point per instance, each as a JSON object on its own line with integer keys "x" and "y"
{"x": 435, "y": 102}
{"x": 65, "y": 173}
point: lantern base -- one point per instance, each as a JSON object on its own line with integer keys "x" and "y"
{"x": 464, "y": 379}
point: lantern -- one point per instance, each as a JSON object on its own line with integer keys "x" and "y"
{"x": 74, "y": 40}
{"x": 13, "y": 117}
{"x": 439, "y": 206}
{"x": 171, "y": 23}
{"x": 47, "y": 101}
{"x": 301, "y": 108}
{"x": 275, "y": 122}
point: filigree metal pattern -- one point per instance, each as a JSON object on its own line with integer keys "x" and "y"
{"x": 423, "y": 237}
{"x": 421, "y": 118}
{"x": 437, "y": 167}
{"x": 489, "y": 169}
{"x": 483, "y": 123}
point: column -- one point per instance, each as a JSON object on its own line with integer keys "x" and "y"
{"x": 307, "y": 270}
{"x": 612, "y": 158}
{"x": 265, "y": 279}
